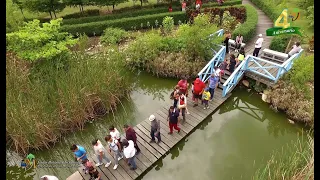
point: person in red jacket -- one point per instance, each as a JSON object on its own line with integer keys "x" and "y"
{"x": 198, "y": 87}
{"x": 131, "y": 135}
{"x": 183, "y": 85}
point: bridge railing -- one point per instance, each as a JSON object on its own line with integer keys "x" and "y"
{"x": 218, "y": 57}
{"x": 262, "y": 70}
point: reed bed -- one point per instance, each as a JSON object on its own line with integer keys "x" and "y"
{"x": 292, "y": 163}
{"x": 40, "y": 110}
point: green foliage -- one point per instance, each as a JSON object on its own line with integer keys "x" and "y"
{"x": 13, "y": 16}
{"x": 228, "y": 21}
{"x": 112, "y": 3}
{"x": 226, "y": 3}
{"x": 144, "y": 49}
{"x": 280, "y": 43}
{"x": 295, "y": 161}
{"x": 80, "y": 15}
{"x": 34, "y": 42}
{"x": 51, "y": 6}
{"x": 304, "y": 4}
{"x": 168, "y": 24}
{"x": 39, "y": 112}
{"x": 248, "y": 28}
{"x": 269, "y": 7}
{"x": 113, "y": 35}
{"x": 196, "y": 37}
{"x": 302, "y": 72}
{"x": 124, "y": 23}
{"x": 310, "y": 16}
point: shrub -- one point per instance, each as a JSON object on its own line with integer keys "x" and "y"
{"x": 124, "y": 23}
{"x": 113, "y": 35}
{"x": 269, "y": 7}
{"x": 310, "y": 16}
{"x": 91, "y": 87}
{"x": 168, "y": 24}
{"x": 89, "y": 12}
{"x": 33, "y": 42}
{"x": 248, "y": 28}
{"x": 280, "y": 43}
{"x": 142, "y": 12}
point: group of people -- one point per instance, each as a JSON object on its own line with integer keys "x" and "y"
{"x": 126, "y": 148}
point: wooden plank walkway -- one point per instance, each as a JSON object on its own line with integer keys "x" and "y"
{"x": 151, "y": 152}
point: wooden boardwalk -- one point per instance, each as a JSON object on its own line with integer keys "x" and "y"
{"x": 151, "y": 152}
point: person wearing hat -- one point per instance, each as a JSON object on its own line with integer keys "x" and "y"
{"x": 258, "y": 46}
{"x": 100, "y": 152}
{"x": 155, "y": 129}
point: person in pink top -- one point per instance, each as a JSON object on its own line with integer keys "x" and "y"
{"x": 184, "y": 5}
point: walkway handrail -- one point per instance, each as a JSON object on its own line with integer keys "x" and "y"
{"x": 239, "y": 71}
{"x": 217, "y": 58}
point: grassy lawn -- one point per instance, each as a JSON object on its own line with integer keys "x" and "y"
{"x": 70, "y": 10}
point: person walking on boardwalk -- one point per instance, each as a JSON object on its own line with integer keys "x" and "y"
{"x": 131, "y": 135}
{"x": 226, "y": 41}
{"x": 258, "y": 46}
{"x": 130, "y": 153}
{"x": 100, "y": 152}
{"x": 155, "y": 129}
{"x": 233, "y": 62}
{"x": 213, "y": 84}
{"x": 198, "y": 87}
{"x": 114, "y": 146}
{"x": 173, "y": 119}
{"x": 206, "y": 98}
{"x": 238, "y": 42}
{"x": 176, "y": 96}
{"x": 182, "y": 106}
{"x": 94, "y": 173}
{"x": 80, "y": 154}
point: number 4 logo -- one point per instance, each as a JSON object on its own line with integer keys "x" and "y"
{"x": 283, "y": 16}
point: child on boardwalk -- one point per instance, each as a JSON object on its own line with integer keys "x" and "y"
{"x": 130, "y": 153}
{"x": 94, "y": 173}
{"x": 206, "y": 97}
{"x": 114, "y": 146}
{"x": 173, "y": 119}
{"x": 100, "y": 152}
{"x": 155, "y": 129}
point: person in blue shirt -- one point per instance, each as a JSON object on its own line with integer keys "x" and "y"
{"x": 79, "y": 154}
{"x": 23, "y": 164}
{"x": 213, "y": 84}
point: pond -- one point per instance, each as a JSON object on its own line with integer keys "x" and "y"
{"x": 230, "y": 144}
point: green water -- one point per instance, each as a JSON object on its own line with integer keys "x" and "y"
{"x": 230, "y": 144}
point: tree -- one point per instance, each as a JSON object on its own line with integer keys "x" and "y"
{"x": 50, "y": 6}
{"x": 79, "y": 3}
{"x": 19, "y": 3}
{"x": 34, "y": 42}
{"x": 13, "y": 16}
{"x": 112, "y": 3}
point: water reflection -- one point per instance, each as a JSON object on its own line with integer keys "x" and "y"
{"x": 229, "y": 144}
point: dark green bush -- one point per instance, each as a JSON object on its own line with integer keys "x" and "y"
{"x": 150, "y": 6}
{"x": 227, "y": 3}
{"x": 89, "y": 12}
{"x": 96, "y": 28}
{"x": 248, "y": 28}
{"x": 117, "y": 16}
{"x": 113, "y": 35}
{"x": 280, "y": 43}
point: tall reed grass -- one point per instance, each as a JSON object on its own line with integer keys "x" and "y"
{"x": 292, "y": 163}
{"x": 41, "y": 109}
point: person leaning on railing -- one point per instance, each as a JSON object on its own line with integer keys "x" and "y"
{"x": 295, "y": 49}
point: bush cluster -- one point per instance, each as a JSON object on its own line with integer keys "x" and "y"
{"x": 133, "y": 23}
{"x": 280, "y": 43}
{"x": 113, "y": 36}
{"x": 248, "y": 28}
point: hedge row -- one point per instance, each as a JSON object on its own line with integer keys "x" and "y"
{"x": 96, "y": 28}
{"x": 248, "y": 28}
{"x": 269, "y": 8}
{"x": 280, "y": 43}
{"x": 149, "y": 6}
{"x": 139, "y": 12}
{"x": 118, "y": 16}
